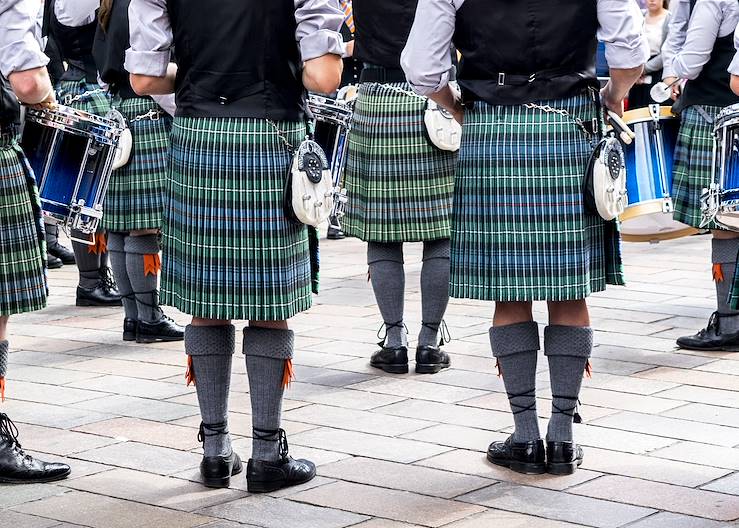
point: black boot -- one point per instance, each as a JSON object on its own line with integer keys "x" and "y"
{"x": 563, "y": 458}
{"x": 334, "y": 230}
{"x": 16, "y": 467}
{"x": 130, "y": 328}
{"x": 104, "y": 293}
{"x": 521, "y": 457}
{"x": 265, "y": 477}
{"x": 218, "y": 470}
{"x": 711, "y": 338}
{"x": 163, "y": 330}
{"x": 53, "y": 247}
{"x": 52, "y": 262}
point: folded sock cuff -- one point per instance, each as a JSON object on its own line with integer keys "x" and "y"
{"x": 210, "y": 340}
{"x": 437, "y": 249}
{"x": 573, "y": 341}
{"x": 515, "y": 338}
{"x": 268, "y": 342}
{"x": 142, "y": 245}
{"x": 724, "y": 251}
{"x": 116, "y": 242}
{"x": 378, "y": 252}
{"x": 4, "y": 345}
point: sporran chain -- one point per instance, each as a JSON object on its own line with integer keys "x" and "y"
{"x": 564, "y": 113}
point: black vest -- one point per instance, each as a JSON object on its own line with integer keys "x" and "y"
{"x": 75, "y": 46}
{"x": 381, "y": 29}
{"x": 110, "y": 48}
{"x": 520, "y": 51}
{"x": 10, "y": 110}
{"x": 237, "y": 58}
{"x": 711, "y": 87}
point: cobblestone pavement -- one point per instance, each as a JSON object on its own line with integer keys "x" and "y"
{"x": 661, "y": 426}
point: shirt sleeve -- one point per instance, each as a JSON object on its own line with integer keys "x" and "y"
{"x": 75, "y": 13}
{"x": 734, "y": 66}
{"x": 319, "y": 28}
{"x": 621, "y": 27}
{"x": 426, "y": 59}
{"x": 19, "y": 49}
{"x": 703, "y": 30}
{"x": 676, "y": 33}
{"x": 151, "y": 38}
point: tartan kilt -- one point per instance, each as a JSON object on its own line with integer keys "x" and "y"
{"x": 519, "y": 228}
{"x": 399, "y": 185}
{"x": 96, "y": 103}
{"x": 229, "y": 252}
{"x": 23, "y": 285}
{"x": 136, "y": 191}
{"x": 693, "y": 165}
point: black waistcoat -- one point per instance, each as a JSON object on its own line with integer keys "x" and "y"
{"x": 75, "y": 46}
{"x": 381, "y": 29}
{"x": 10, "y": 110}
{"x": 237, "y": 58}
{"x": 518, "y": 51}
{"x": 110, "y": 48}
{"x": 711, "y": 87}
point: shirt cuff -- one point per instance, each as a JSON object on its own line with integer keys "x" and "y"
{"x": 21, "y": 56}
{"x": 427, "y": 84}
{"x": 621, "y": 57}
{"x": 152, "y": 63}
{"x": 321, "y": 43}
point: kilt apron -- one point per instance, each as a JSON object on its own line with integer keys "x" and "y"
{"x": 135, "y": 193}
{"x": 399, "y": 185}
{"x": 228, "y": 250}
{"x": 23, "y": 286}
{"x": 519, "y": 228}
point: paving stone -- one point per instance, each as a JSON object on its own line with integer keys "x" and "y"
{"x": 143, "y": 408}
{"x": 144, "y": 431}
{"x": 384, "y": 523}
{"x": 49, "y": 375}
{"x": 728, "y": 485}
{"x": 649, "y": 357}
{"x": 473, "y": 463}
{"x": 449, "y": 413}
{"x": 660, "y": 496}
{"x": 367, "y": 445}
{"x": 504, "y": 519}
{"x": 703, "y": 395}
{"x": 627, "y": 402}
{"x": 105, "y": 512}
{"x": 673, "y": 520}
{"x": 142, "y": 457}
{"x": 419, "y": 390}
{"x": 470, "y": 380}
{"x": 362, "y": 421}
{"x": 457, "y": 436}
{"x": 711, "y": 414}
{"x": 330, "y": 377}
{"x": 51, "y": 415}
{"x": 557, "y": 505}
{"x": 390, "y": 504}
{"x": 59, "y": 441}
{"x": 13, "y": 495}
{"x": 721, "y": 366}
{"x": 11, "y": 519}
{"x": 672, "y": 428}
{"x": 80, "y": 468}
{"x": 707, "y": 455}
{"x": 141, "y": 388}
{"x": 693, "y": 377}
{"x": 49, "y": 344}
{"x": 350, "y": 399}
{"x": 631, "y": 385}
{"x": 155, "y": 490}
{"x": 132, "y": 369}
{"x": 618, "y": 440}
{"x": 275, "y": 513}
{"x": 42, "y": 393}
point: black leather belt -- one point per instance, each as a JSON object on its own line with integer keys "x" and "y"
{"x": 378, "y": 74}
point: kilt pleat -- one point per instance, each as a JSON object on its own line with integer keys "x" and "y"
{"x": 95, "y": 103}
{"x": 136, "y": 190}
{"x": 229, "y": 252}
{"x": 23, "y": 285}
{"x": 519, "y": 228}
{"x": 693, "y": 165}
{"x": 398, "y": 184}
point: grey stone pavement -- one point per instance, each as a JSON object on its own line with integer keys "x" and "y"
{"x": 661, "y": 426}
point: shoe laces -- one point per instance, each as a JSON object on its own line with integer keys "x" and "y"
{"x": 9, "y": 432}
{"x": 714, "y": 323}
{"x": 442, "y": 329}
{"x": 387, "y": 326}
{"x": 208, "y": 430}
{"x": 273, "y": 435}
{"x": 522, "y": 408}
{"x": 567, "y": 411}
{"x": 107, "y": 281}
{"x": 154, "y": 305}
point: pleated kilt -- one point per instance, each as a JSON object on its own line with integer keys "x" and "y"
{"x": 693, "y": 165}
{"x": 97, "y": 103}
{"x": 135, "y": 197}
{"x": 23, "y": 286}
{"x": 398, "y": 184}
{"x": 229, "y": 252}
{"x": 519, "y": 228}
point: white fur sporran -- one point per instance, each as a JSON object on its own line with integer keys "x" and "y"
{"x": 125, "y": 142}
{"x": 605, "y": 185}
{"x": 309, "y": 194}
{"x": 443, "y": 130}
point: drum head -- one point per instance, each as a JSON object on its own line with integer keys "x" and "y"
{"x": 654, "y": 227}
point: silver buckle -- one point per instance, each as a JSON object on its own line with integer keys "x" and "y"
{"x": 532, "y": 78}
{"x": 501, "y": 79}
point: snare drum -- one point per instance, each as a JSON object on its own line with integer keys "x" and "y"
{"x": 71, "y": 153}
{"x": 649, "y": 159}
{"x": 727, "y": 167}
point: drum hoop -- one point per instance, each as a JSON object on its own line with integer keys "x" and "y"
{"x": 727, "y": 121}
{"x": 64, "y": 118}
{"x": 641, "y": 115}
{"x": 669, "y": 235}
{"x": 645, "y": 208}
{"x": 89, "y": 134}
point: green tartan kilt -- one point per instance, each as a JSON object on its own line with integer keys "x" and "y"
{"x": 693, "y": 165}
{"x": 136, "y": 190}
{"x": 229, "y": 251}
{"x": 23, "y": 286}
{"x": 398, "y": 184}
{"x": 520, "y": 231}
{"x": 97, "y": 102}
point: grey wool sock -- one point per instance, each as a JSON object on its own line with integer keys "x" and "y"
{"x": 434, "y": 289}
{"x": 267, "y": 351}
{"x": 388, "y": 282}
{"x": 88, "y": 264}
{"x": 117, "y": 256}
{"x": 724, "y": 253}
{"x": 4, "y": 353}
{"x": 516, "y": 347}
{"x": 143, "y": 281}
{"x": 568, "y": 349}
{"x": 210, "y": 350}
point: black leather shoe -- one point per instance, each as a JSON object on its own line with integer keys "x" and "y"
{"x": 16, "y": 467}
{"x": 165, "y": 330}
{"x": 101, "y": 295}
{"x": 563, "y": 458}
{"x": 391, "y": 359}
{"x": 430, "y": 359}
{"x": 335, "y": 234}
{"x": 61, "y": 252}
{"x": 711, "y": 338}
{"x": 52, "y": 262}
{"x": 217, "y": 471}
{"x": 265, "y": 477}
{"x": 130, "y": 326}
{"x": 522, "y": 457}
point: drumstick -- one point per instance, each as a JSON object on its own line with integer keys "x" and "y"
{"x": 626, "y": 134}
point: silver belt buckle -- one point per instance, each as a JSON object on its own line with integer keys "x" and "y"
{"x": 501, "y": 79}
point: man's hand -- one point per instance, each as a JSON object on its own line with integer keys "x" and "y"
{"x": 323, "y": 74}
{"x": 676, "y": 88}
{"x": 611, "y": 101}
{"x": 33, "y": 87}
{"x": 349, "y": 48}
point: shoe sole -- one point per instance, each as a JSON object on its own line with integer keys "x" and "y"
{"x": 84, "y": 302}
{"x": 563, "y": 468}
{"x": 223, "y": 482}
{"x": 129, "y": 337}
{"x": 60, "y": 266}
{"x": 431, "y": 368}
{"x": 525, "y": 468}
{"x": 392, "y": 369}
{"x": 269, "y": 487}
{"x": 711, "y": 349}
{"x": 5, "y": 480}
{"x": 143, "y": 340}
